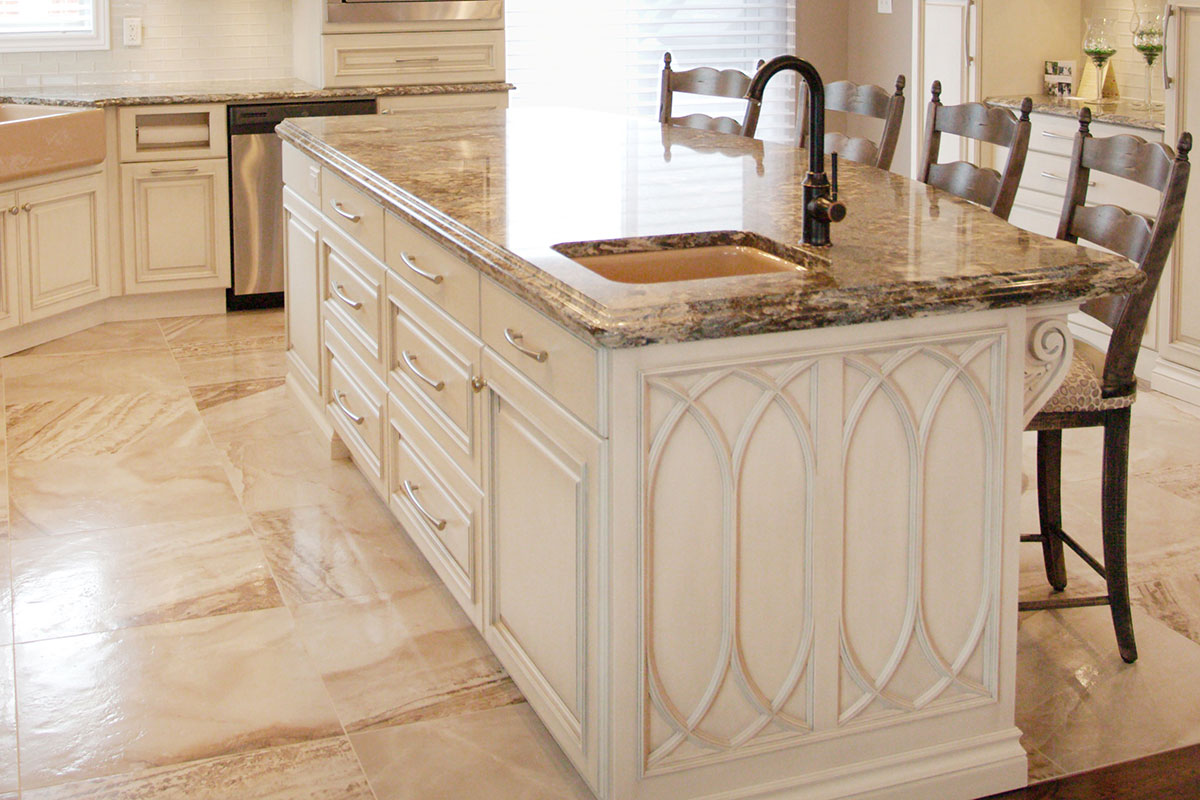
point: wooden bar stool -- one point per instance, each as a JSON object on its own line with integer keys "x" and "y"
{"x": 868, "y": 101}
{"x": 998, "y": 126}
{"x": 709, "y": 82}
{"x": 1100, "y": 388}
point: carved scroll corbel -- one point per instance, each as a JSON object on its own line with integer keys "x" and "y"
{"x": 1048, "y": 350}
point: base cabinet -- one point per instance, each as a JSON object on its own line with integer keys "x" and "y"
{"x": 10, "y": 315}
{"x": 302, "y": 247}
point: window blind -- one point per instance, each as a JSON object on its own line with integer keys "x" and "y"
{"x": 47, "y": 16}
{"x": 608, "y": 54}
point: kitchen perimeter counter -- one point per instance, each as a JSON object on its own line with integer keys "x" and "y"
{"x": 737, "y": 537}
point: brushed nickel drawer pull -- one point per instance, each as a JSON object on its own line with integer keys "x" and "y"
{"x": 191, "y": 171}
{"x": 355, "y": 418}
{"x": 515, "y": 340}
{"x": 338, "y": 208}
{"x": 410, "y": 361}
{"x": 338, "y": 291}
{"x": 1054, "y": 177}
{"x": 429, "y": 276}
{"x": 410, "y": 489}
{"x": 1053, "y": 135}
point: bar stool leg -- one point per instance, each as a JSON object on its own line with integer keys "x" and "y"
{"x": 1114, "y": 499}
{"x": 1049, "y": 489}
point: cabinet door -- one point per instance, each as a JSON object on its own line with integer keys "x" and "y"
{"x": 9, "y": 259}
{"x": 541, "y": 553}
{"x": 302, "y": 243}
{"x": 63, "y": 246}
{"x": 176, "y": 225}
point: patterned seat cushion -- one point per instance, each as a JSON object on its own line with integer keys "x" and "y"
{"x": 1081, "y": 389}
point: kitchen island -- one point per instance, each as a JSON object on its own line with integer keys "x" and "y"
{"x": 747, "y": 536}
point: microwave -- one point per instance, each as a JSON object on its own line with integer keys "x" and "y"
{"x": 377, "y": 11}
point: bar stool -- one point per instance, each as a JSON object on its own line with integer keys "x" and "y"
{"x": 1100, "y": 388}
{"x": 868, "y": 101}
{"x": 998, "y": 126}
{"x": 709, "y": 82}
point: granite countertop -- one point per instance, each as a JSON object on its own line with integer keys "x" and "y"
{"x": 146, "y": 94}
{"x": 1114, "y": 112}
{"x": 500, "y": 188}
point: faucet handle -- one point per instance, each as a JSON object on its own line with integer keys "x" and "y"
{"x": 834, "y": 169}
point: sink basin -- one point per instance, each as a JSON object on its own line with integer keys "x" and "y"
{"x": 36, "y": 140}
{"x": 692, "y": 257}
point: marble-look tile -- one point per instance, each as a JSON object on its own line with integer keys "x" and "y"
{"x": 232, "y": 361}
{"x": 108, "y": 337}
{"x": 90, "y": 582}
{"x": 318, "y": 554}
{"x": 224, "y": 327}
{"x": 1082, "y": 707}
{"x": 8, "y": 722}
{"x": 6, "y": 619}
{"x": 1182, "y": 480}
{"x": 500, "y": 753}
{"x": 220, "y": 394}
{"x": 111, "y": 703}
{"x": 320, "y": 770}
{"x": 400, "y": 658}
{"x": 33, "y": 379}
{"x": 1042, "y": 767}
{"x": 103, "y": 424}
{"x": 1173, "y": 600}
{"x": 89, "y": 493}
{"x": 236, "y": 413}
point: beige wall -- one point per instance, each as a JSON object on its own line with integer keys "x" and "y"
{"x": 880, "y": 48}
{"x": 1020, "y": 35}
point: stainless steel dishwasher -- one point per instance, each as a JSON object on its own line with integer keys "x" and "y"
{"x": 256, "y": 194}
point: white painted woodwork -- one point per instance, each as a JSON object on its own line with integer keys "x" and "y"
{"x": 398, "y": 104}
{"x": 172, "y": 132}
{"x": 302, "y": 175}
{"x": 384, "y": 59}
{"x": 433, "y": 271}
{"x": 355, "y": 404}
{"x": 10, "y": 255}
{"x": 302, "y": 252}
{"x": 176, "y": 225}
{"x": 949, "y": 40}
{"x": 63, "y": 246}
{"x": 352, "y": 292}
{"x": 353, "y": 212}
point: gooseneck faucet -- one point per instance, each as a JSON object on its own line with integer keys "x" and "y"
{"x": 821, "y": 206}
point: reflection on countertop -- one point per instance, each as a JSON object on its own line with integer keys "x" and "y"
{"x": 1115, "y": 112}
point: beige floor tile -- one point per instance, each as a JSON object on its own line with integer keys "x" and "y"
{"x": 1042, "y": 768}
{"x": 117, "y": 491}
{"x": 8, "y": 723}
{"x": 321, "y": 770}
{"x": 500, "y": 754}
{"x": 317, "y": 554}
{"x": 1082, "y": 707}
{"x": 401, "y": 658}
{"x": 219, "y": 395}
{"x": 244, "y": 411}
{"x": 111, "y": 703}
{"x": 33, "y": 379}
{"x": 224, "y": 327}
{"x": 101, "y": 581}
{"x": 109, "y": 337}
{"x": 6, "y": 631}
{"x": 103, "y": 424}
{"x": 226, "y": 362}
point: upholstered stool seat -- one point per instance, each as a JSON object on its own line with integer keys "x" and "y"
{"x": 1081, "y": 390}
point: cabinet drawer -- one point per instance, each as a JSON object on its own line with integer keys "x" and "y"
{"x": 1053, "y": 134}
{"x": 434, "y": 271}
{"x": 438, "y": 507}
{"x": 1031, "y": 217}
{"x": 432, "y": 366}
{"x": 355, "y": 403}
{"x": 302, "y": 174}
{"x": 1048, "y": 173}
{"x": 384, "y": 59}
{"x": 352, "y": 211}
{"x": 352, "y": 293}
{"x": 443, "y": 102}
{"x": 561, "y": 364}
{"x": 166, "y": 133}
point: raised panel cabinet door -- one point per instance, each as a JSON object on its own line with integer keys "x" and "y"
{"x": 176, "y": 225}
{"x": 63, "y": 246}
{"x": 302, "y": 243}
{"x": 9, "y": 259}
{"x": 541, "y": 550}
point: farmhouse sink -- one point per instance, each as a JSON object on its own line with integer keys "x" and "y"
{"x": 704, "y": 256}
{"x": 36, "y": 140}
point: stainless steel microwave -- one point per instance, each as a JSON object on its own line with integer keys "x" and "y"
{"x": 411, "y": 10}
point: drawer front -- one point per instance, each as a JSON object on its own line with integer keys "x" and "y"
{"x": 355, "y": 403}
{"x": 413, "y": 58}
{"x": 1054, "y": 134}
{"x": 440, "y": 509}
{"x": 302, "y": 174}
{"x": 1032, "y": 218}
{"x": 1049, "y": 173}
{"x": 434, "y": 271}
{"x": 443, "y": 102}
{"x": 432, "y": 367}
{"x": 353, "y": 212}
{"x": 561, "y": 364}
{"x": 353, "y": 294}
{"x": 167, "y": 133}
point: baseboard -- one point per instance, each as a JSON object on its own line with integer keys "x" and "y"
{"x": 1177, "y": 381}
{"x": 316, "y": 416}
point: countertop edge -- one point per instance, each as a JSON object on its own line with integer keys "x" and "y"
{"x": 1061, "y": 107}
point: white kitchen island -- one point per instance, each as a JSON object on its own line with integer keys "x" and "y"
{"x": 739, "y": 537}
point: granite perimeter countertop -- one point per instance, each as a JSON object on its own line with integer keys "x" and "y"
{"x": 501, "y": 188}
{"x": 1114, "y": 112}
{"x": 151, "y": 94}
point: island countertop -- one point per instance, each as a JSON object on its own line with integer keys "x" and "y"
{"x": 501, "y": 188}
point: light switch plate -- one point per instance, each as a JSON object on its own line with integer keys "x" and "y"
{"x": 131, "y": 28}
{"x": 885, "y": 6}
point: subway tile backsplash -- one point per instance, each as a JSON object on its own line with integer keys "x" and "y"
{"x": 183, "y": 40}
{"x": 1129, "y": 64}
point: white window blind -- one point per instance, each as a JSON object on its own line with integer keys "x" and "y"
{"x": 53, "y": 25}
{"x": 608, "y": 54}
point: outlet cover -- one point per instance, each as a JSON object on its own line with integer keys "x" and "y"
{"x": 131, "y": 28}
{"x": 885, "y": 6}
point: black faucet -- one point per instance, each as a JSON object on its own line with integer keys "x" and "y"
{"x": 821, "y": 206}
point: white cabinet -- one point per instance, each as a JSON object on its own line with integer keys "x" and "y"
{"x": 302, "y": 245}
{"x": 9, "y": 259}
{"x": 442, "y": 102}
{"x": 176, "y": 225}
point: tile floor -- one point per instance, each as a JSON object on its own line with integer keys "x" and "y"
{"x": 195, "y": 602}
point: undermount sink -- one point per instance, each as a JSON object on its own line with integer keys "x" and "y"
{"x": 690, "y": 257}
{"x": 36, "y": 140}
